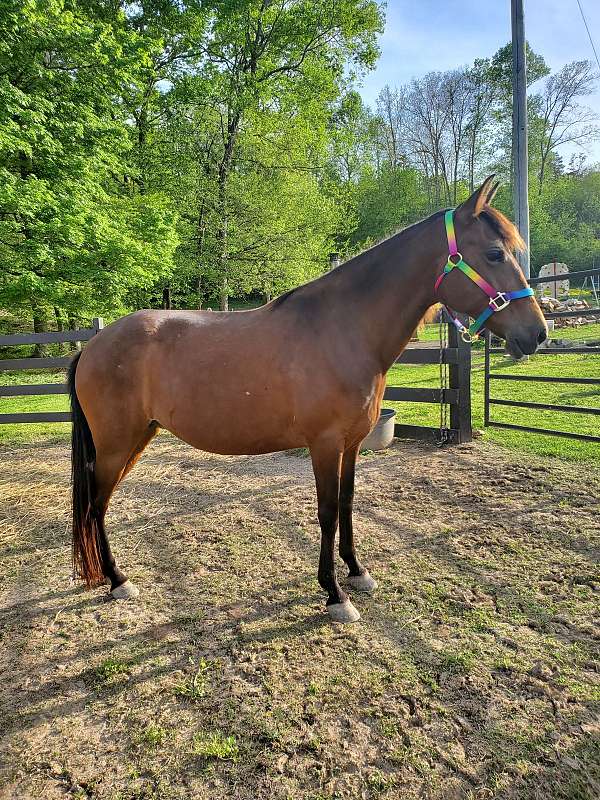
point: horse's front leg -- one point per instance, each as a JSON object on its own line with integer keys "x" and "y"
{"x": 326, "y": 459}
{"x": 358, "y": 576}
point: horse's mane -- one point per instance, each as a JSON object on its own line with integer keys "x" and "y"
{"x": 500, "y": 223}
{"x": 503, "y": 227}
{"x": 283, "y": 297}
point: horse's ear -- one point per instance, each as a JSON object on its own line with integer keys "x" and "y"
{"x": 492, "y": 193}
{"x": 474, "y": 205}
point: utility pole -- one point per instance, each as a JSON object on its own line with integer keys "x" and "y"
{"x": 519, "y": 134}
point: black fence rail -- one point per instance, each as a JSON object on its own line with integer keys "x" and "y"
{"x": 489, "y": 376}
{"x": 37, "y": 389}
{"x": 457, "y": 357}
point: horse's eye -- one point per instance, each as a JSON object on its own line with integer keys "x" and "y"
{"x": 495, "y": 255}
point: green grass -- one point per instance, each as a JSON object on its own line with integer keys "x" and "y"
{"x": 151, "y": 736}
{"x": 422, "y": 413}
{"x": 196, "y": 686}
{"x": 110, "y": 669}
{"x": 19, "y": 434}
{"x": 215, "y": 746}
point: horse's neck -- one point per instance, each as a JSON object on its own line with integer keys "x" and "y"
{"x": 392, "y": 286}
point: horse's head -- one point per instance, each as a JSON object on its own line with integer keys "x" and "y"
{"x": 487, "y": 240}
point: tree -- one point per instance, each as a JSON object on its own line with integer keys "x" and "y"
{"x": 73, "y": 236}
{"x": 391, "y": 109}
{"x": 563, "y": 120}
{"x": 260, "y": 56}
{"x": 482, "y": 95}
{"x": 499, "y": 75}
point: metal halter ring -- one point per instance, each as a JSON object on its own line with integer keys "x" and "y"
{"x": 467, "y": 337}
{"x": 455, "y": 255}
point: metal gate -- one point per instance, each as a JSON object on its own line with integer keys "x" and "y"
{"x": 490, "y": 377}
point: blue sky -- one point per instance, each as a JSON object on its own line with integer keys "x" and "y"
{"x": 424, "y": 35}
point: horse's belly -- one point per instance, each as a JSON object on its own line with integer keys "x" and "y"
{"x": 231, "y": 435}
{"x": 230, "y": 416}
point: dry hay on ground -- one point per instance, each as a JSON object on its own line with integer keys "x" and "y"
{"x": 473, "y": 673}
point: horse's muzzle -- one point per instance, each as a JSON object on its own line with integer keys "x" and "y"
{"x": 526, "y": 342}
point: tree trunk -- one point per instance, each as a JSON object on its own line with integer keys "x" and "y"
{"x": 223, "y": 176}
{"x": 40, "y": 325}
{"x": 472, "y": 146}
{"x": 224, "y": 296}
{"x": 166, "y": 303}
{"x": 541, "y": 175}
{"x": 200, "y": 250}
{"x": 142, "y": 123}
{"x": 60, "y": 327}
{"x": 73, "y": 325}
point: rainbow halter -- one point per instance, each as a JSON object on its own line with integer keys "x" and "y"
{"x": 498, "y": 300}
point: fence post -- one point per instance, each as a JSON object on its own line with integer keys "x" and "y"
{"x": 460, "y": 379}
{"x": 97, "y": 324}
{"x": 486, "y": 379}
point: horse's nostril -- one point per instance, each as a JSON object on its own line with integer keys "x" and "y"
{"x": 542, "y": 336}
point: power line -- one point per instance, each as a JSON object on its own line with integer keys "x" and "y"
{"x": 588, "y": 33}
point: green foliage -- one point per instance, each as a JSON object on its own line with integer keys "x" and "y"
{"x": 72, "y": 234}
{"x": 565, "y": 221}
{"x": 218, "y": 149}
{"x": 388, "y": 201}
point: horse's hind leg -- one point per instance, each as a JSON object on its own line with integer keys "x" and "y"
{"x": 112, "y": 465}
{"x": 358, "y": 577}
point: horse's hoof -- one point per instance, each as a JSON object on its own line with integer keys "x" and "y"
{"x": 363, "y": 583}
{"x": 343, "y": 612}
{"x": 126, "y": 591}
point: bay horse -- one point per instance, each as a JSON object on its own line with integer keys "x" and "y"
{"x": 305, "y": 370}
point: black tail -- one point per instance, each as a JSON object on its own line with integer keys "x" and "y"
{"x": 88, "y": 525}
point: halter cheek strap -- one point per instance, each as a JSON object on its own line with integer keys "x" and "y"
{"x": 498, "y": 300}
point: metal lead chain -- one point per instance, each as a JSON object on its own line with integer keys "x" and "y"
{"x": 444, "y": 436}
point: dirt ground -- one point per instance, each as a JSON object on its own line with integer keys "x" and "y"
{"x": 472, "y": 674}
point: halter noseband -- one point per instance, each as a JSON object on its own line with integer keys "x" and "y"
{"x": 498, "y": 300}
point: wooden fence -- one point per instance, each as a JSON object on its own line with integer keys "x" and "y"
{"x": 59, "y": 362}
{"x": 457, "y": 355}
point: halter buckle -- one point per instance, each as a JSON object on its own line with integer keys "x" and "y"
{"x": 500, "y": 301}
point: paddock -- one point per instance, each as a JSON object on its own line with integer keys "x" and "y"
{"x": 472, "y": 674}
